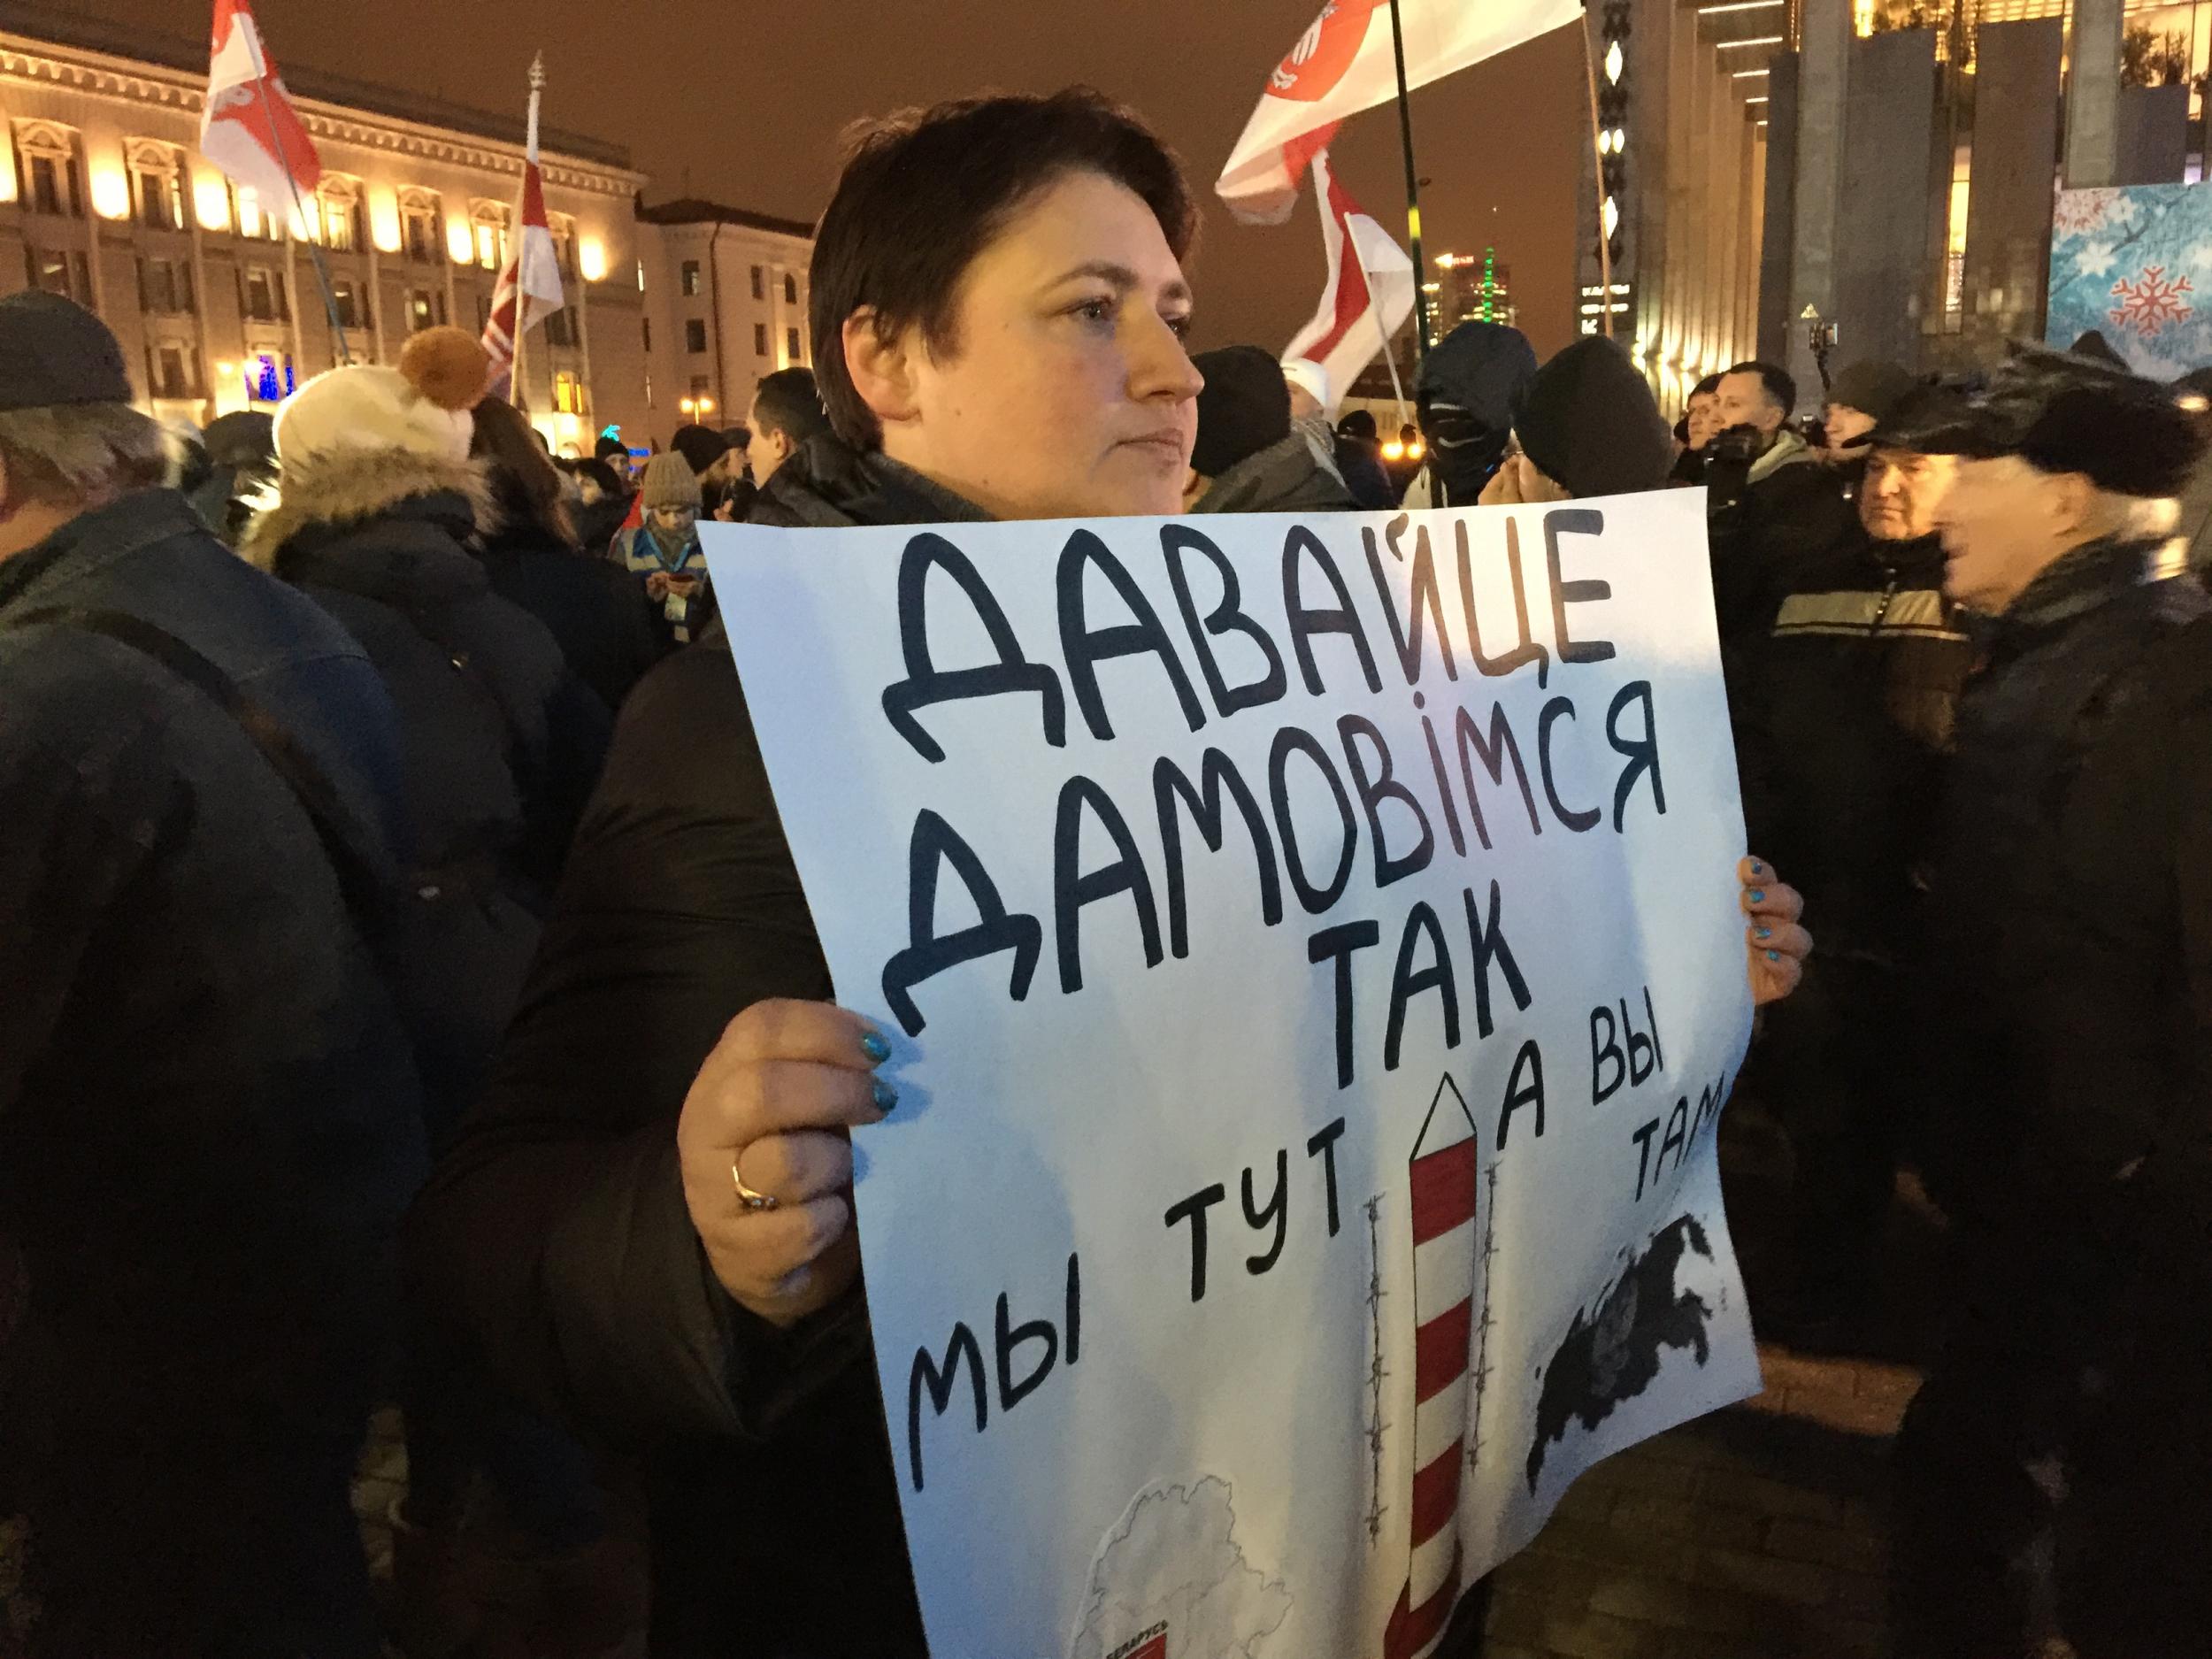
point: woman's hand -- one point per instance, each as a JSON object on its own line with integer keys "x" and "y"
{"x": 769, "y": 1113}
{"x": 657, "y": 586}
{"x": 1775, "y": 944}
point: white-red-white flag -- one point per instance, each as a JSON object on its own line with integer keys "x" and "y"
{"x": 249, "y": 127}
{"x": 1370, "y": 291}
{"x": 529, "y": 289}
{"x": 1344, "y": 64}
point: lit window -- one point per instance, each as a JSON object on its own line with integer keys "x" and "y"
{"x": 421, "y": 313}
{"x": 489, "y": 223}
{"x": 418, "y": 214}
{"x": 64, "y": 273}
{"x": 338, "y": 206}
{"x": 346, "y": 300}
{"x": 158, "y": 184}
{"x": 568, "y": 394}
{"x": 252, "y": 223}
{"x": 165, "y": 287}
{"x": 47, "y": 176}
{"x": 691, "y": 278}
{"x": 261, "y": 295}
{"x": 269, "y": 378}
{"x": 172, "y": 370}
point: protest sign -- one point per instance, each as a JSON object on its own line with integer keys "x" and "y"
{"x": 1311, "y": 950}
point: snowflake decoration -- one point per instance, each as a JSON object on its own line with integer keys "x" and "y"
{"x": 2095, "y": 259}
{"x": 2079, "y": 212}
{"x": 2152, "y": 301}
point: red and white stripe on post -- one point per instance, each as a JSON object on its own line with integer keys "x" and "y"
{"x": 1442, "y": 1183}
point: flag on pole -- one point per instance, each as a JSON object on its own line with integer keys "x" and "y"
{"x": 1369, "y": 290}
{"x": 529, "y": 288}
{"x": 249, "y": 129}
{"x": 1344, "y": 64}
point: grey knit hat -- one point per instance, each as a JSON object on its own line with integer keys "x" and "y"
{"x": 669, "y": 481}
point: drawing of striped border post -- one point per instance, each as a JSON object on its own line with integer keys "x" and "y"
{"x": 1441, "y": 1173}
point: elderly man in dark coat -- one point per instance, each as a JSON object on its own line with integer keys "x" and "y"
{"x": 2058, "y": 1463}
{"x": 209, "y": 1116}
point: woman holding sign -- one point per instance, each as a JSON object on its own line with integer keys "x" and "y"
{"x": 648, "y": 1224}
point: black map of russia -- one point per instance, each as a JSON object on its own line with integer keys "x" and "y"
{"x": 1613, "y": 1356}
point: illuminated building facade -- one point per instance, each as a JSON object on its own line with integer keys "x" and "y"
{"x": 105, "y": 197}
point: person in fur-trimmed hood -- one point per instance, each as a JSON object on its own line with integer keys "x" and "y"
{"x": 377, "y": 501}
{"x": 379, "y": 509}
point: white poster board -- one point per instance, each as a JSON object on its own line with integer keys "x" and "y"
{"x": 1311, "y": 950}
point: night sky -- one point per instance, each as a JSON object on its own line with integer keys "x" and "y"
{"x": 743, "y": 102}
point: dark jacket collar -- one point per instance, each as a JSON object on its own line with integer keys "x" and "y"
{"x": 1915, "y": 563}
{"x": 828, "y": 484}
{"x": 1285, "y": 477}
{"x": 2080, "y": 581}
{"x": 93, "y": 540}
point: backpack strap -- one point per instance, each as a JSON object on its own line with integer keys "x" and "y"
{"x": 360, "y": 885}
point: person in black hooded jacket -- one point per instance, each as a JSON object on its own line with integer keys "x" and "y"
{"x": 599, "y": 616}
{"x": 1467, "y": 395}
{"x": 647, "y": 1224}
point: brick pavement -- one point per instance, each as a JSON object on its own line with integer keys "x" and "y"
{"x": 1758, "y": 1533}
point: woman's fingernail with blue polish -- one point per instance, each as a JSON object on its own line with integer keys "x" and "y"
{"x": 1758, "y": 896}
{"x": 1774, "y": 955}
{"x": 1766, "y": 933}
{"x": 1757, "y": 869}
{"x": 887, "y": 1094}
{"x": 872, "y": 1045}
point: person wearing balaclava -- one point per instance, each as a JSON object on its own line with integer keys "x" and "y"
{"x": 1467, "y": 393}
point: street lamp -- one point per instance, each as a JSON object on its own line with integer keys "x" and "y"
{"x": 702, "y": 405}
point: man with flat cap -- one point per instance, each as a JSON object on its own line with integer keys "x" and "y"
{"x": 2056, "y": 1468}
{"x": 209, "y": 1120}
{"x": 1844, "y": 735}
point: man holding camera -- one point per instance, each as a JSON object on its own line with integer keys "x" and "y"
{"x": 1771, "y": 507}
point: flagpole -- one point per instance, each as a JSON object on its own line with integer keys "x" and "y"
{"x": 514, "y": 372}
{"x": 1597, "y": 167}
{"x": 1413, "y": 188}
{"x": 314, "y": 244}
{"x": 1390, "y": 358}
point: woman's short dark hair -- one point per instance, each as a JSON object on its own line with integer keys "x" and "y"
{"x": 525, "y": 484}
{"x": 924, "y": 191}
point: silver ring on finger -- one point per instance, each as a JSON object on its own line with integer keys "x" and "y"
{"x": 747, "y": 1196}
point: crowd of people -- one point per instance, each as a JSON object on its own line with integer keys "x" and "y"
{"x": 413, "y": 998}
